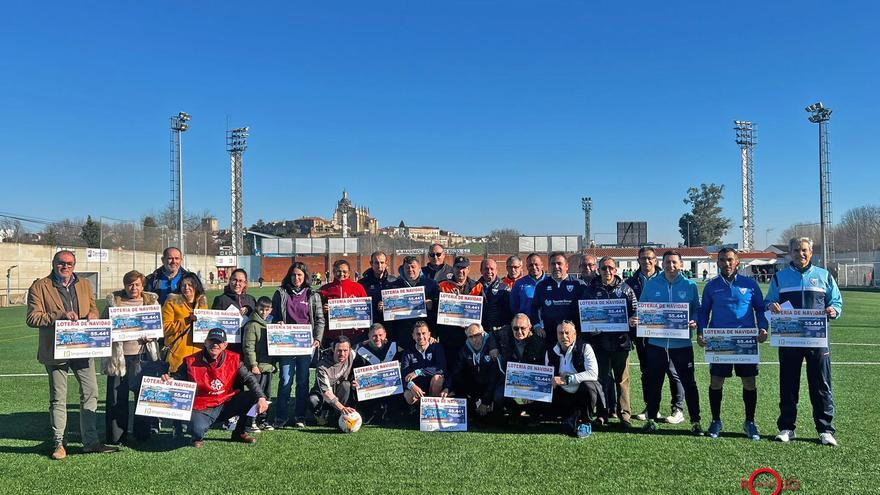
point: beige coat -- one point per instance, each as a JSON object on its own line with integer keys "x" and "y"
{"x": 44, "y": 307}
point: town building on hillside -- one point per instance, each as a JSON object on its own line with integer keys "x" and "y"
{"x": 353, "y": 220}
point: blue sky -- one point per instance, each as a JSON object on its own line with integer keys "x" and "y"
{"x": 468, "y": 115}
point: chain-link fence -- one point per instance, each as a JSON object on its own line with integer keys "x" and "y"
{"x": 858, "y": 274}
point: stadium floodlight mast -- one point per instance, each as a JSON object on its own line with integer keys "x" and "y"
{"x": 819, "y": 114}
{"x": 236, "y": 143}
{"x": 745, "y": 138}
{"x": 587, "y": 206}
{"x": 179, "y": 124}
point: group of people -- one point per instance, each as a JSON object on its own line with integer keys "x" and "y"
{"x": 528, "y": 317}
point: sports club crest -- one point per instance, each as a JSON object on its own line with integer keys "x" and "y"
{"x": 682, "y": 294}
{"x": 495, "y": 291}
{"x": 429, "y": 355}
{"x": 743, "y": 290}
{"x": 814, "y": 282}
{"x": 487, "y": 358}
{"x": 547, "y": 302}
{"x": 569, "y": 288}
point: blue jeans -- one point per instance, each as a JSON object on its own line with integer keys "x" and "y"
{"x": 291, "y": 366}
{"x": 238, "y": 405}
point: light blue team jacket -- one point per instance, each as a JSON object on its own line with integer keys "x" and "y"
{"x": 658, "y": 289}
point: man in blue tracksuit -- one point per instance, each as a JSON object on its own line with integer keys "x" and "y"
{"x": 806, "y": 287}
{"x": 556, "y": 299}
{"x": 647, "y": 270}
{"x": 732, "y": 301}
{"x": 523, "y": 291}
{"x": 672, "y": 287}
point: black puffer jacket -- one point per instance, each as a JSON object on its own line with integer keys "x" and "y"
{"x": 618, "y": 289}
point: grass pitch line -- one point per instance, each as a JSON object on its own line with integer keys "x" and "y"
{"x": 19, "y": 338}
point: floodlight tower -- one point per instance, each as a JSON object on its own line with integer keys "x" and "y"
{"x": 746, "y": 139}
{"x": 179, "y": 124}
{"x": 236, "y": 143}
{"x": 821, "y": 115}
{"x": 587, "y": 206}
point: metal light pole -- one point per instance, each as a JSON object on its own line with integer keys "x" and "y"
{"x": 9, "y": 285}
{"x": 179, "y": 125}
{"x": 587, "y": 206}
{"x": 767, "y": 235}
{"x": 821, "y": 115}
{"x": 689, "y": 235}
{"x": 236, "y": 143}
{"x": 745, "y": 138}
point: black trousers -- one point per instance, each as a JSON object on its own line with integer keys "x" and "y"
{"x": 342, "y": 390}
{"x": 655, "y": 369}
{"x": 587, "y": 401}
{"x": 676, "y": 390}
{"x": 119, "y": 389}
{"x": 265, "y": 380}
{"x": 818, "y": 381}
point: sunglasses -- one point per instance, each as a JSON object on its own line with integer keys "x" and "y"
{"x": 608, "y": 268}
{"x": 435, "y": 255}
{"x": 65, "y": 263}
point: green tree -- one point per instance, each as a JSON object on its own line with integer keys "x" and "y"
{"x": 704, "y": 225}
{"x": 91, "y": 233}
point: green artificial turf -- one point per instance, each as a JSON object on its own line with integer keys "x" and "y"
{"x": 502, "y": 460}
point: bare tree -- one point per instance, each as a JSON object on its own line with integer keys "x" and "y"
{"x": 802, "y": 229}
{"x": 858, "y": 230}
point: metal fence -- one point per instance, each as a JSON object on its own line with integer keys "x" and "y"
{"x": 858, "y": 274}
{"x": 364, "y": 245}
{"x": 131, "y": 236}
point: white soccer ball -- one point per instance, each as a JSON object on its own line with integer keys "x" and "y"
{"x": 350, "y": 423}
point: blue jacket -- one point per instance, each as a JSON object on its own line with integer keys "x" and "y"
{"x": 159, "y": 282}
{"x": 554, "y": 302}
{"x": 737, "y": 304}
{"x": 658, "y": 289}
{"x": 638, "y": 280}
{"x": 808, "y": 288}
{"x": 522, "y": 293}
{"x": 429, "y": 363}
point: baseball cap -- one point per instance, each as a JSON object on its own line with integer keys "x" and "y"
{"x": 461, "y": 262}
{"x": 217, "y": 334}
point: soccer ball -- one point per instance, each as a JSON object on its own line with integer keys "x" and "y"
{"x": 350, "y": 423}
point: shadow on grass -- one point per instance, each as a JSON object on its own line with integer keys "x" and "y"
{"x": 33, "y": 426}
{"x": 163, "y": 442}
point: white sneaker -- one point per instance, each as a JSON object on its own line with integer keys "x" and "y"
{"x": 827, "y": 439}
{"x": 642, "y": 415}
{"x": 785, "y": 435}
{"x": 676, "y": 418}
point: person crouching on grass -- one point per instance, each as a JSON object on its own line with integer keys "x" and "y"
{"x": 577, "y": 394}
{"x": 424, "y": 367}
{"x": 220, "y": 377}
